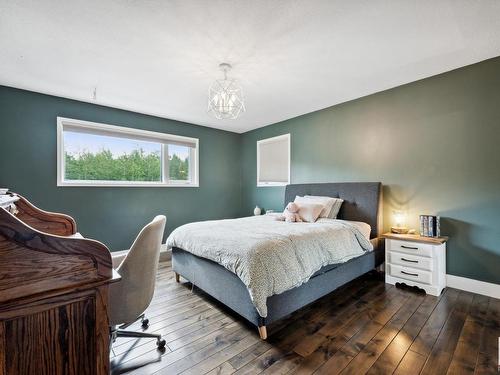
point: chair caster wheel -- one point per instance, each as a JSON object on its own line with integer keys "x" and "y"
{"x": 161, "y": 344}
{"x": 145, "y": 323}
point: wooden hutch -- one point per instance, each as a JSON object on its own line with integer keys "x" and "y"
{"x": 53, "y": 294}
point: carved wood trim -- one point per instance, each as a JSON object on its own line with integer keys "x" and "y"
{"x": 32, "y": 261}
{"x": 28, "y": 306}
{"x": 44, "y": 221}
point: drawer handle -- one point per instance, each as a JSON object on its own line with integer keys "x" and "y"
{"x": 409, "y": 260}
{"x": 409, "y": 247}
{"x": 409, "y": 273}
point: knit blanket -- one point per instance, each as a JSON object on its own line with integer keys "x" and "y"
{"x": 271, "y": 256}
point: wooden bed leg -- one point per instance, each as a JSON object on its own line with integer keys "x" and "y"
{"x": 263, "y": 332}
{"x": 177, "y": 277}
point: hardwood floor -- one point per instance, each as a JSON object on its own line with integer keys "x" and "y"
{"x": 366, "y": 326}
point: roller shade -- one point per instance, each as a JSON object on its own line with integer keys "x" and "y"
{"x": 140, "y": 135}
{"x": 274, "y": 160}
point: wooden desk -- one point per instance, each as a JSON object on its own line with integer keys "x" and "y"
{"x": 53, "y": 295}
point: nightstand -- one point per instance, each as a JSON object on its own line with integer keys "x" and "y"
{"x": 416, "y": 261}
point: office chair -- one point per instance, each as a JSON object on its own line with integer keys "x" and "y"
{"x": 129, "y": 298}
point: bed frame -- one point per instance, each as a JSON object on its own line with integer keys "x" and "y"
{"x": 362, "y": 202}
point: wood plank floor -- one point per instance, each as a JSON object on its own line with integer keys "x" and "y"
{"x": 366, "y": 326}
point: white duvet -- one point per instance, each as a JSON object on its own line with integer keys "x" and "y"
{"x": 270, "y": 256}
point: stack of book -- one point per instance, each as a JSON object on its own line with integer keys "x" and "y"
{"x": 430, "y": 226}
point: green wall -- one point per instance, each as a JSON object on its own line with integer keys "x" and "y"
{"x": 434, "y": 144}
{"x": 111, "y": 215}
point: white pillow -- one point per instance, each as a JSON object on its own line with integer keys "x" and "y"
{"x": 334, "y": 205}
{"x": 309, "y": 212}
{"x": 336, "y": 208}
{"x": 326, "y": 202}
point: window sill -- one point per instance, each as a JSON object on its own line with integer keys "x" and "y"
{"x": 121, "y": 184}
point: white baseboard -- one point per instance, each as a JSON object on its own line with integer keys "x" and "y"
{"x": 117, "y": 256}
{"x": 474, "y": 286}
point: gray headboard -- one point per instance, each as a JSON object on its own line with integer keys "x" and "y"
{"x": 362, "y": 200}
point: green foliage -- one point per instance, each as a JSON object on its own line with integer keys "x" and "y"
{"x": 135, "y": 166}
{"x": 178, "y": 168}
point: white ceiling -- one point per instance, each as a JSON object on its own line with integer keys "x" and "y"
{"x": 291, "y": 57}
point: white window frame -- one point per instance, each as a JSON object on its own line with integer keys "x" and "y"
{"x": 268, "y": 140}
{"x": 162, "y": 138}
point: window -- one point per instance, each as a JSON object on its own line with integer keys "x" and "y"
{"x": 92, "y": 154}
{"x": 273, "y": 161}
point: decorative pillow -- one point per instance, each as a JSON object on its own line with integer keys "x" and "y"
{"x": 327, "y": 203}
{"x": 336, "y": 208}
{"x": 336, "y": 203}
{"x": 309, "y": 212}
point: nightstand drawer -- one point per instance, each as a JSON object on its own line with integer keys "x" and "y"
{"x": 414, "y": 248}
{"x": 413, "y": 274}
{"x": 409, "y": 260}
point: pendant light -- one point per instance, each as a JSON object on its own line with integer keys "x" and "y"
{"x": 225, "y": 97}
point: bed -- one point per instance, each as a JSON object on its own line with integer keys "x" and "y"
{"x": 362, "y": 203}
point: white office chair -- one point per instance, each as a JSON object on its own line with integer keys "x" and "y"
{"x": 129, "y": 298}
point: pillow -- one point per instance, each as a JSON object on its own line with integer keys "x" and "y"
{"x": 336, "y": 208}
{"x": 309, "y": 212}
{"x": 327, "y": 203}
{"x": 333, "y": 204}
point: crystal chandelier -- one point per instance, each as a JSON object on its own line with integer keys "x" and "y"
{"x": 225, "y": 98}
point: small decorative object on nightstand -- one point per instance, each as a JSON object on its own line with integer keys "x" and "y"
{"x": 416, "y": 261}
{"x": 257, "y": 211}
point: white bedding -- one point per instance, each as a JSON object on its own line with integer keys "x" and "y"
{"x": 270, "y": 256}
{"x": 363, "y": 227}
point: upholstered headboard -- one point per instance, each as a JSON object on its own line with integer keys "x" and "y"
{"x": 362, "y": 200}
